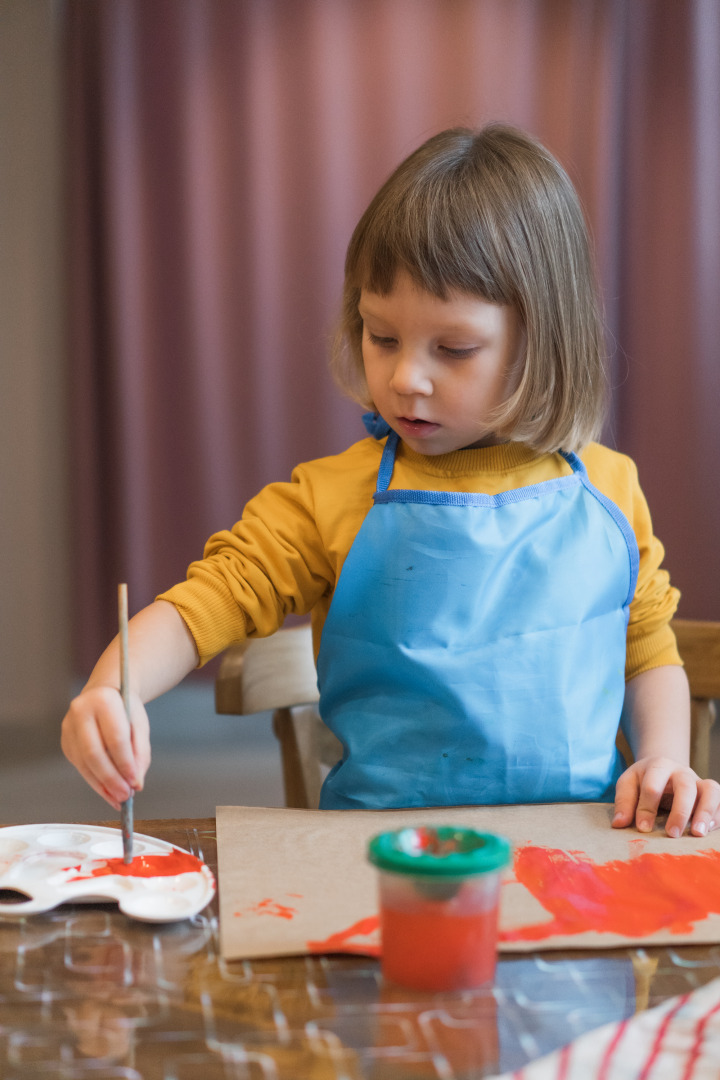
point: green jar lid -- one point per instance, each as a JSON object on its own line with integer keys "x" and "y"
{"x": 440, "y": 851}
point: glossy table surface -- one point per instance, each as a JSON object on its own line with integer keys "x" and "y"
{"x": 88, "y": 994}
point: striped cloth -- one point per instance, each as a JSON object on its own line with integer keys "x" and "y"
{"x": 678, "y": 1040}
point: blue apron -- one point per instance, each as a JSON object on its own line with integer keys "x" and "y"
{"x": 474, "y": 650}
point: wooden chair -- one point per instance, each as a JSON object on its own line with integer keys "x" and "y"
{"x": 277, "y": 674}
{"x": 699, "y": 646}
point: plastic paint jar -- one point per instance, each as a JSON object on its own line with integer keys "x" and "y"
{"x": 439, "y": 891}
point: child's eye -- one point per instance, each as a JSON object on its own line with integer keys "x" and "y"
{"x": 457, "y": 354}
{"x": 381, "y": 342}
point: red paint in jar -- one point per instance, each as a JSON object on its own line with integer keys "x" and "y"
{"x": 433, "y": 948}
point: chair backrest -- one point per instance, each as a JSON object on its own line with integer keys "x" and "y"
{"x": 269, "y": 673}
{"x": 699, "y": 645}
{"x": 277, "y": 674}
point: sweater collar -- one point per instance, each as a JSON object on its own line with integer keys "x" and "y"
{"x": 505, "y": 457}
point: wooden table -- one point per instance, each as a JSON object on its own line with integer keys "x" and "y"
{"x": 88, "y": 994}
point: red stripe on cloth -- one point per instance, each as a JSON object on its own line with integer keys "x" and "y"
{"x": 607, "y": 1056}
{"x": 697, "y": 1045}
{"x": 563, "y": 1063}
{"x": 660, "y": 1036}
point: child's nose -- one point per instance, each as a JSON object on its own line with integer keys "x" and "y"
{"x": 411, "y": 375}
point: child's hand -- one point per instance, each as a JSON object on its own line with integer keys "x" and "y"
{"x": 655, "y": 783}
{"x": 110, "y": 754}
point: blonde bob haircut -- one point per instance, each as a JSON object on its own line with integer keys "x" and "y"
{"x": 493, "y": 214}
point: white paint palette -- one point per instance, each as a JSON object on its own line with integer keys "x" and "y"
{"x": 60, "y": 864}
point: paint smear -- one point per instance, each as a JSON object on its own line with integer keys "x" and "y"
{"x": 146, "y": 866}
{"x": 270, "y": 907}
{"x": 342, "y": 941}
{"x": 632, "y": 898}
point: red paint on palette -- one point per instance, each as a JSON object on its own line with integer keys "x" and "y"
{"x": 342, "y": 942}
{"x": 630, "y": 897}
{"x": 145, "y": 866}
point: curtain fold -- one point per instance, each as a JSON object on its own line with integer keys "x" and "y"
{"x": 669, "y": 324}
{"x": 221, "y": 152}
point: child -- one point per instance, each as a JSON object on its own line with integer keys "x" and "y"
{"x": 484, "y": 584}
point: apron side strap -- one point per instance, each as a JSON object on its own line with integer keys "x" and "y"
{"x": 578, "y": 467}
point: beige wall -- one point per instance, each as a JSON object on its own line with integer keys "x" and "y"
{"x": 34, "y": 617}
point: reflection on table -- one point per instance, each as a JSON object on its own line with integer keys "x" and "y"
{"x": 87, "y": 993}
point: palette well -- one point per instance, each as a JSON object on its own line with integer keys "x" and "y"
{"x": 58, "y": 864}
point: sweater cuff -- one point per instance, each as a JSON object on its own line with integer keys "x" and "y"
{"x": 215, "y": 621}
{"x": 651, "y": 651}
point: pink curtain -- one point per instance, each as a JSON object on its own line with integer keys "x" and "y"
{"x": 221, "y": 152}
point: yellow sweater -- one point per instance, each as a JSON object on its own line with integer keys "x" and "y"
{"x": 286, "y": 553}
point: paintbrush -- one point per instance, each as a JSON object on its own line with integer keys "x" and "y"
{"x": 126, "y": 809}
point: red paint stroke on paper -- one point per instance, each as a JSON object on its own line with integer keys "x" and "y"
{"x": 270, "y": 907}
{"x": 147, "y": 866}
{"x": 341, "y": 941}
{"x": 633, "y": 898}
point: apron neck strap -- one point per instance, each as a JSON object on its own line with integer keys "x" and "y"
{"x": 387, "y": 462}
{"x": 574, "y": 462}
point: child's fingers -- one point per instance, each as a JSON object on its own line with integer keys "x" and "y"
{"x": 116, "y": 746}
{"x": 96, "y": 738}
{"x": 685, "y": 795}
{"x": 626, "y": 797}
{"x": 639, "y": 791}
{"x": 140, "y": 745}
{"x": 98, "y": 787}
{"x": 650, "y": 783}
{"x": 707, "y": 811}
{"x": 84, "y": 748}
{"x": 663, "y": 777}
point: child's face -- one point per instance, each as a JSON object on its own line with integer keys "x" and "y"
{"x": 436, "y": 368}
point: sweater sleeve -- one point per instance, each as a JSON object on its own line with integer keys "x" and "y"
{"x": 650, "y": 639}
{"x": 270, "y": 564}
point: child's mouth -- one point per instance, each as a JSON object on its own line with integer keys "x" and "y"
{"x": 410, "y": 425}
